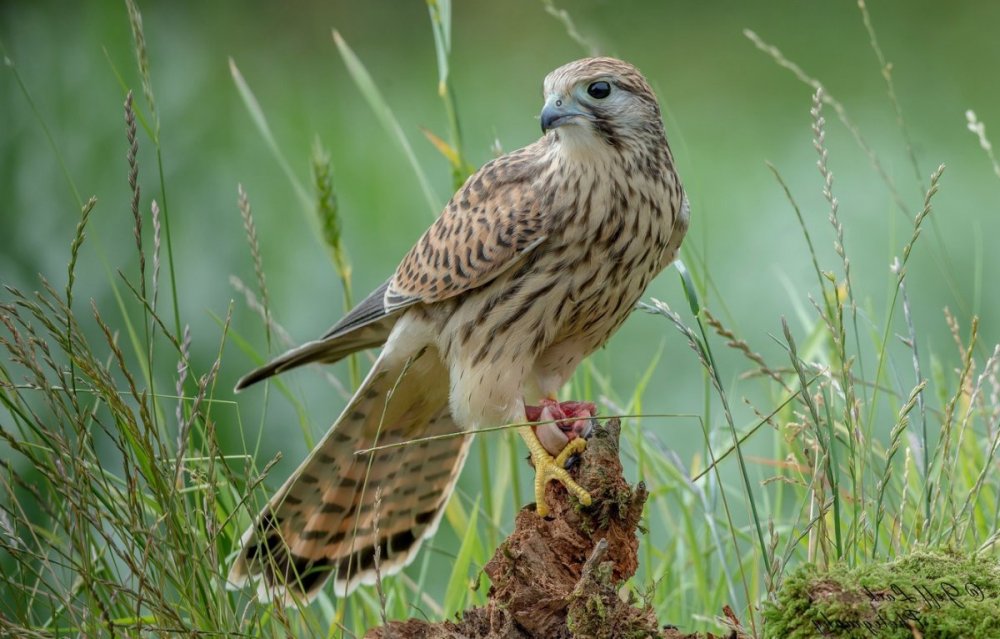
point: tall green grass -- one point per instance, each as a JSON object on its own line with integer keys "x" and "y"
{"x": 119, "y": 512}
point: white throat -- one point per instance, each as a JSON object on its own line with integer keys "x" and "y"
{"x": 578, "y": 144}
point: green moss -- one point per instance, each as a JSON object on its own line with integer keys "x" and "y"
{"x": 588, "y": 617}
{"x": 943, "y": 595}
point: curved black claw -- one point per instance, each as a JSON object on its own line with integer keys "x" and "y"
{"x": 586, "y": 434}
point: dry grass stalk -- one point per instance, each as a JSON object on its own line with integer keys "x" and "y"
{"x": 740, "y": 345}
{"x": 155, "y": 210}
{"x": 133, "y": 182}
{"x": 258, "y": 263}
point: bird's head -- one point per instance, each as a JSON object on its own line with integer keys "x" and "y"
{"x": 600, "y": 101}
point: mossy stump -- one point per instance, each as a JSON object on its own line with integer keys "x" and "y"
{"x": 560, "y": 576}
{"x": 925, "y": 594}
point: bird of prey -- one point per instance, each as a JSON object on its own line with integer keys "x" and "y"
{"x": 534, "y": 263}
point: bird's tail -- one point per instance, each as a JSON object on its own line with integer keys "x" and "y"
{"x": 324, "y": 521}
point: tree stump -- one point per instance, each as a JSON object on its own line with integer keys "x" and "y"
{"x": 560, "y": 576}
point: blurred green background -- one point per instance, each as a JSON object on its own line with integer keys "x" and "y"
{"x": 728, "y": 109}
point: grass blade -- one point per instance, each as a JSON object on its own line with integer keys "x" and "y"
{"x": 384, "y": 113}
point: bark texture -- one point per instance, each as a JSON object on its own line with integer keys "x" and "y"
{"x": 560, "y": 577}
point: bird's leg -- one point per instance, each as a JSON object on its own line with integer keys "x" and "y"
{"x": 552, "y": 444}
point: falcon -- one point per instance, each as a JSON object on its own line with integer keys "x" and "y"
{"x": 535, "y": 262}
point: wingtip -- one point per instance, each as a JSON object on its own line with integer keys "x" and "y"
{"x": 252, "y": 378}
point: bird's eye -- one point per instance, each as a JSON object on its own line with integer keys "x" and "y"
{"x": 599, "y": 90}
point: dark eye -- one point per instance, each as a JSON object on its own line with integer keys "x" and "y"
{"x": 599, "y": 90}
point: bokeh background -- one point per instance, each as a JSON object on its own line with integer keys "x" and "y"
{"x": 728, "y": 108}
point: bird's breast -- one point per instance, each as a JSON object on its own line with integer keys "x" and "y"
{"x": 613, "y": 263}
{"x": 605, "y": 243}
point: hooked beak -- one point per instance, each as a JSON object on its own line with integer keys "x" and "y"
{"x": 557, "y": 112}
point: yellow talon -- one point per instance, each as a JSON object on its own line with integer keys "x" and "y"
{"x": 576, "y": 446}
{"x": 548, "y": 468}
